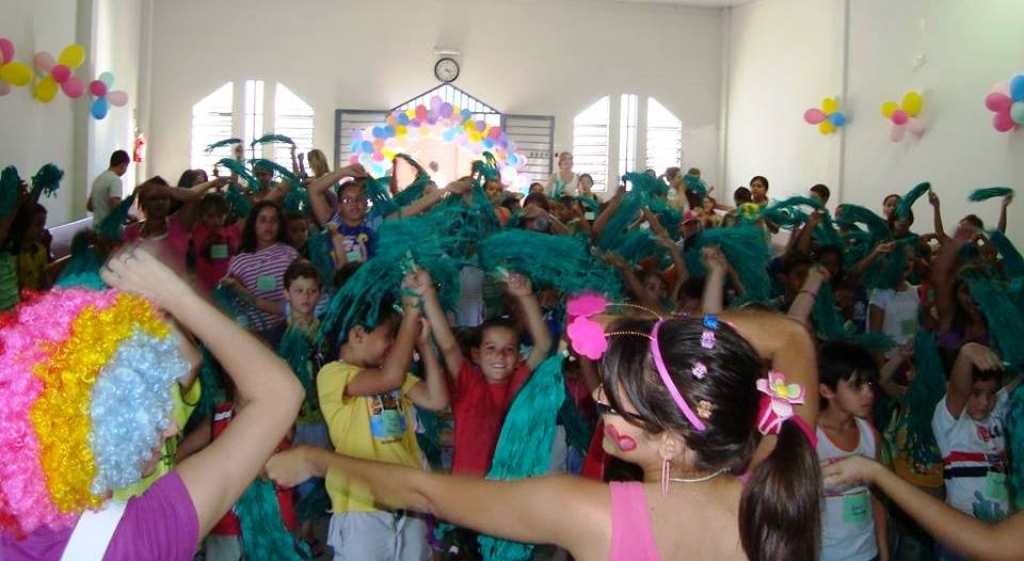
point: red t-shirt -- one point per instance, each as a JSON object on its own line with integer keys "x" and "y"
{"x": 229, "y": 525}
{"x": 480, "y": 409}
{"x": 214, "y": 250}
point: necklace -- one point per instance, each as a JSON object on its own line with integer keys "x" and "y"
{"x": 707, "y": 477}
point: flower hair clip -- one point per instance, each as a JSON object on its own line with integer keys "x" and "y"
{"x": 707, "y": 338}
{"x": 699, "y": 370}
{"x": 586, "y": 336}
{"x": 777, "y": 402}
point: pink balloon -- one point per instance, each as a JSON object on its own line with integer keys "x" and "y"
{"x": 916, "y": 127}
{"x": 97, "y": 88}
{"x": 814, "y": 116}
{"x": 997, "y": 102}
{"x": 73, "y": 87}
{"x": 1002, "y": 122}
{"x": 60, "y": 73}
{"x": 6, "y": 50}
{"x": 899, "y": 117}
{"x": 897, "y": 133}
{"x": 1001, "y": 87}
{"x": 43, "y": 61}
{"x": 117, "y": 98}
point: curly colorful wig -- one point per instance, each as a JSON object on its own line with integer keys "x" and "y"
{"x": 85, "y": 377}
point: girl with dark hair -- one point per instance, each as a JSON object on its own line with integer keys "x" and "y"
{"x": 683, "y": 399}
{"x": 257, "y": 272}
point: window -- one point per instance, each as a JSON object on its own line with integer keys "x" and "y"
{"x": 628, "y": 123}
{"x": 590, "y": 142}
{"x": 252, "y": 121}
{"x": 664, "y": 137}
{"x": 293, "y": 118}
{"x": 212, "y": 122}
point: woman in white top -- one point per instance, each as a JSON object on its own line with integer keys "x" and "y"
{"x": 562, "y": 182}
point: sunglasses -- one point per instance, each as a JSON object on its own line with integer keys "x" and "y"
{"x": 603, "y": 408}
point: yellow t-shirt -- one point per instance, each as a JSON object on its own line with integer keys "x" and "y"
{"x": 32, "y": 263}
{"x": 380, "y": 428}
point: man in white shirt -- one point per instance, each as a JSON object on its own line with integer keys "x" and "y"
{"x": 105, "y": 194}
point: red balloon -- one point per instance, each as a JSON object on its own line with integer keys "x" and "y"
{"x": 60, "y": 73}
{"x": 997, "y": 101}
{"x": 421, "y": 113}
{"x": 97, "y": 88}
{"x": 814, "y": 116}
{"x": 354, "y": 159}
{"x": 900, "y": 117}
{"x": 1003, "y": 122}
{"x": 494, "y": 133}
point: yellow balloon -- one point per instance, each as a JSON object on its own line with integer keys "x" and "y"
{"x": 474, "y": 137}
{"x": 72, "y": 56}
{"x": 389, "y": 154}
{"x": 46, "y": 90}
{"x": 16, "y": 74}
{"x": 888, "y": 108}
{"x": 411, "y": 113}
{"x": 401, "y": 130}
{"x": 829, "y": 105}
{"x": 912, "y": 103}
{"x": 826, "y": 127}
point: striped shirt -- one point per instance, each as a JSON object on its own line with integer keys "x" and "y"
{"x": 262, "y": 274}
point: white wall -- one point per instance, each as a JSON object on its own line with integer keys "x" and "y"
{"x": 787, "y": 54}
{"x": 548, "y": 57}
{"x": 62, "y": 132}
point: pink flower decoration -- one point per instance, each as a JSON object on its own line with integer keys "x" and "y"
{"x": 586, "y": 305}
{"x": 587, "y": 337}
{"x": 778, "y": 401}
{"x": 699, "y": 370}
{"x": 707, "y": 339}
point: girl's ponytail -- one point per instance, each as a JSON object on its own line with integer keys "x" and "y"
{"x": 780, "y": 515}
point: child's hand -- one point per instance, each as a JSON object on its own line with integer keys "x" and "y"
{"x": 982, "y": 357}
{"x": 847, "y": 472}
{"x": 933, "y": 199}
{"x": 518, "y": 285}
{"x": 136, "y": 271}
{"x": 819, "y": 273}
{"x": 423, "y": 338}
{"x": 354, "y": 170}
{"x": 714, "y": 259}
{"x": 289, "y": 468}
{"x": 886, "y": 247}
{"x": 421, "y": 283}
{"x": 907, "y": 349}
{"x": 230, "y": 282}
{"x": 410, "y": 298}
{"x": 1007, "y": 200}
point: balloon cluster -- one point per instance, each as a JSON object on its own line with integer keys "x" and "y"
{"x": 11, "y": 73}
{"x": 375, "y": 146}
{"x": 59, "y": 73}
{"x": 828, "y": 118}
{"x": 104, "y": 97}
{"x": 1007, "y": 102}
{"x": 903, "y": 116}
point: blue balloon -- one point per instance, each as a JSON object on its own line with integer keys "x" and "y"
{"x": 1017, "y": 87}
{"x": 467, "y": 114}
{"x": 389, "y": 131}
{"x": 449, "y": 135}
{"x": 99, "y": 108}
{"x": 837, "y": 119}
{"x": 488, "y": 143}
{"x": 378, "y": 132}
{"x": 367, "y": 147}
{"x": 354, "y": 147}
{"x": 403, "y": 119}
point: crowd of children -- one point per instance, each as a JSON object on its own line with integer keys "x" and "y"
{"x": 436, "y": 329}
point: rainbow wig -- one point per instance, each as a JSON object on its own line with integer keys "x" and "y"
{"x": 86, "y": 378}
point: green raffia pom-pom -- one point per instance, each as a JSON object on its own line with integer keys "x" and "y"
{"x": 413, "y": 192}
{"x": 696, "y": 186}
{"x": 638, "y": 245}
{"x": 9, "y": 182}
{"x": 319, "y": 248}
{"x": 645, "y": 190}
{"x": 851, "y": 215}
{"x": 828, "y": 324}
{"x": 745, "y": 248}
{"x": 83, "y": 268}
{"x": 988, "y": 193}
{"x": 908, "y": 200}
{"x": 380, "y": 197}
{"x": 112, "y": 225}
{"x": 315, "y": 505}
{"x": 46, "y": 181}
{"x": 578, "y": 431}
{"x": 236, "y": 199}
{"x": 524, "y": 447}
{"x": 787, "y": 212}
{"x": 671, "y": 218}
{"x": 1005, "y": 325}
{"x": 924, "y": 393}
{"x": 563, "y": 262}
{"x": 264, "y": 536}
{"x": 211, "y": 389}
{"x": 238, "y": 168}
{"x": 295, "y": 349}
{"x": 1015, "y": 430}
{"x": 223, "y": 143}
{"x": 276, "y": 168}
{"x": 270, "y": 138}
{"x": 1013, "y": 263}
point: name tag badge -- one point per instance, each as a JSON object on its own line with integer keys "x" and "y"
{"x": 856, "y": 508}
{"x": 266, "y": 283}
{"x": 589, "y": 215}
{"x": 995, "y": 486}
{"x": 354, "y": 256}
{"x": 219, "y": 251}
{"x": 909, "y": 327}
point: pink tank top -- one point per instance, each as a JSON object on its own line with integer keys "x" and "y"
{"x": 632, "y": 539}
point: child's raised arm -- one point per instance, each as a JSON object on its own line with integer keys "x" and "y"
{"x": 268, "y": 393}
{"x": 432, "y": 392}
{"x": 322, "y": 211}
{"x": 451, "y": 352}
{"x": 519, "y": 286}
{"x": 961, "y": 378}
{"x": 391, "y": 375}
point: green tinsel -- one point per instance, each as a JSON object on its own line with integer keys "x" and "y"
{"x": 924, "y": 393}
{"x": 1005, "y": 325}
{"x": 908, "y": 200}
{"x": 83, "y": 268}
{"x": 295, "y": 349}
{"x": 1013, "y": 263}
{"x": 988, "y": 193}
{"x": 413, "y": 192}
{"x": 46, "y": 181}
{"x": 850, "y": 215}
{"x": 264, "y": 536}
{"x": 462, "y": 224}
{"x": 563, "y": 262}
{"x": 787, "y": 212}
{"x": 270, "y": 138}
{"x": 240, "y": 204}
{"x": 112, "y": 225}
{"x": 1015, "y": 430}
{"x": 524, "y": 447}
{"x": 887, "y": 269}
{"x": 746, "y": 250}
{"x": 828, "y": 324}
{"x": 670, "y": 217}
{"x": 9, "y": 182}
{"x": 645, "y": 188}
{"x": 826, "y": 233}
{"x": 380, "y": 197}
{"x": 578, "y": 432}
{"x": 211, "y": 389}
{"x": 238, "y": 168}
{"x": 222, "y": 143}
{"x": 318, "y": 247}
{"x": 638, "y": 245}
{"x": 696, "y": 185}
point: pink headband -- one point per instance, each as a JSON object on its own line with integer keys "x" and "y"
{"x": 659, "y": 363}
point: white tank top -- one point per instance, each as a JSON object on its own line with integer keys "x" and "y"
{"x": 847, "y": 521}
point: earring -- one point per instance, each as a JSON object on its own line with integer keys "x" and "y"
{"x": 666, "y": 467}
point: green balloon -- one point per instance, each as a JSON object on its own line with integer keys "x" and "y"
{"x": 1017, "y": 112}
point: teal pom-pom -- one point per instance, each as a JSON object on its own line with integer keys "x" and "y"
{"x": 924, "y": 393}
{"x": 988, "y": 193}
{"x": 222, "y": 143}
{"x": 112, "y": 225}
{"x": 9, "y": 182}
{"x": 696, "y": 185}
{"x": 1005, "y": 325}
{"x": 1013, "y": 263}
{"x": 238, "y": 168}
{"x": 240, "y": 204}
{"x": 747, "y": 251}
{"x": 272, "y": 138}
{"x": 908, "y": 200}
{"x": 46, "y": 181}
{"x": 83, "y": 268}
{"x": 264, "y": 535}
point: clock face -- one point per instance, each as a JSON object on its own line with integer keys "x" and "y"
{"x": 446, "y": 70}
